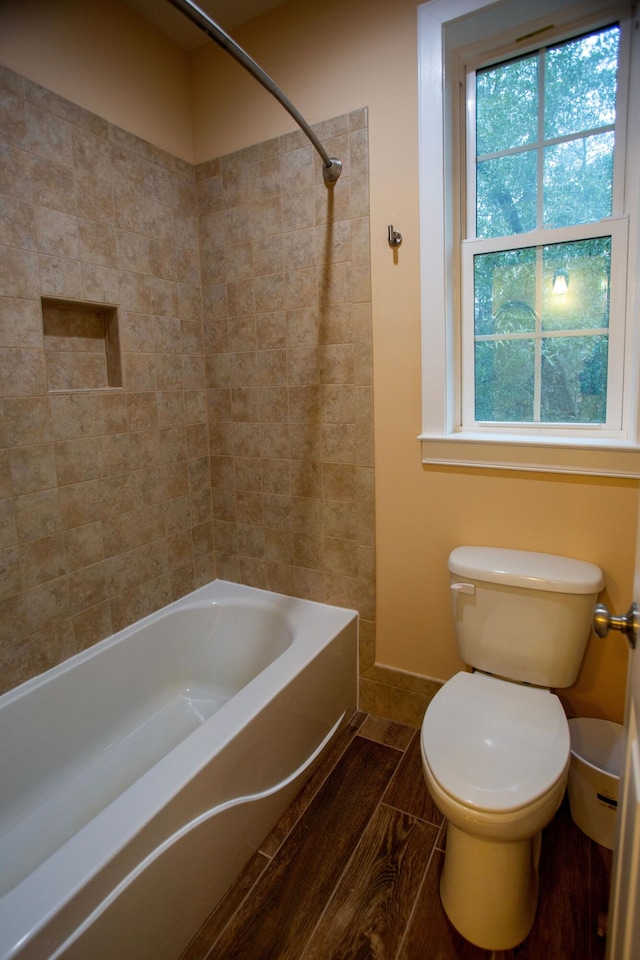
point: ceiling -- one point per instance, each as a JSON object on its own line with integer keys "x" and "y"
{"x": 226, "y": 13}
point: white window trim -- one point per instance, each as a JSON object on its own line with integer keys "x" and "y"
{"x": 442, "y": 441}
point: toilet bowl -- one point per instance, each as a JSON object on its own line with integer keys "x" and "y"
{"x": 495, "y": 742}
{"x": 498, "y": 784}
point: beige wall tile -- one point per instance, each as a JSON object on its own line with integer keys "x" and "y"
{"x": 91, "y": 154}
{"x": 300, "y": 289}
{"x": 47, "y": 603}
{"x": 20, "y": 323}
{"x": 234, "y": 362}
{"x": 19, "y": 275}
{"x": 15, "y": 178}
{"x": 269, "y": 292}
{"x": 124, "y": 532}
{"x": 60, "y": 278}
{"x": 13, "y": 118}
{"x": 88, "y": 415}
{"x": 53, "y": 185}
{"x": 177, "y": 514}
{"x": 5, "y": 472}
{"x": 10, "y": 580}
{"x": 8, "y": 531}
{"x": 67, "y": 371}
{"x": 33, "y": 468}
{"x": 52, "y": 645}
{"x": 87, "y": 587}
{"x": 57, "y": 233}
{"x": 92, "y": 624}
{"x": 38, "y": 514}
{"x": 200, "y": 507}
{"x": 83, "y": 546}
{"x": 27, "y": 421}
{"x": 49, "y": 136}
{"x": 338, "y": 442}
{"x": 17, "y": 224}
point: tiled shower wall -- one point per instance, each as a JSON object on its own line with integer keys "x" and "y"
{"x": 106, "y": 513}
{"x": 286, "y": 287}
{"x": 243, "y": 413}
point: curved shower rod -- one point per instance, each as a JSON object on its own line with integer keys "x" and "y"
{"x": 331, "y": 167}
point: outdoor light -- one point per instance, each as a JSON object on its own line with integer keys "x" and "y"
{"x": 560, "y": 281}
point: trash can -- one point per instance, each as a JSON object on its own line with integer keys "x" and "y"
{"x": 597, "y": 748}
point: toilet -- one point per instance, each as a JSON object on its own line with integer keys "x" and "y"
{"x": 495, "y": 742}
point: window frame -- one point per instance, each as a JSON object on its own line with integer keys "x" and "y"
{"x": 446, "y": 28}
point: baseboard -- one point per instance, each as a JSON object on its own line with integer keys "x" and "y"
{"x": 396, "y": 695}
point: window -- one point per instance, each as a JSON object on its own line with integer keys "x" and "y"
{"x": 532, "y": 362}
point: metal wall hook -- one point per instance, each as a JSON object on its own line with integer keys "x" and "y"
{"x": 629, "y": 623}
{"x": 395, "y": 238}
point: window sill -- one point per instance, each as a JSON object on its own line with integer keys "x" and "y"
{"x": 597, "y": 458}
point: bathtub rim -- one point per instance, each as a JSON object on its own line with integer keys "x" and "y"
{"x": 237, "y": 591}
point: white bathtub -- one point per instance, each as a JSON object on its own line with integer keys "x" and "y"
{"x": 138, "y": 777}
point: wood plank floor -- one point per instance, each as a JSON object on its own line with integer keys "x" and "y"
{"x": 351, "y": 872}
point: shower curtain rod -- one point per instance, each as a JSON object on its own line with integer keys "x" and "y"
{"x": 331, "y": 167}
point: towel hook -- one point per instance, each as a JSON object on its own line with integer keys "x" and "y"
{"x": 395, "y": 238}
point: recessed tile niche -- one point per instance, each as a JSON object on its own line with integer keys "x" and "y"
{"x": 82, "y": 345}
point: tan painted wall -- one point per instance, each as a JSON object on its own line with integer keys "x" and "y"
{"x": 102, "y": 55}
{"x": 331, "y": 57}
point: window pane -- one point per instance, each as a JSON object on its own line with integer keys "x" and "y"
{"x": 578, "y": 180}
{"x": 575, "y": 285}
{"x": 504, "y": 373}
{"x": 506, "y": 191}
{"x": 505, "y": 292}
{"x": 574, "y": 379}
{"x": 580, "y": 84}
{"x": 506, "y": 105}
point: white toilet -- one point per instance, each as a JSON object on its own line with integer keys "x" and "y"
{"x": 495, "y": 743}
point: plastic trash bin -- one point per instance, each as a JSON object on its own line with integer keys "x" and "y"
{"x": 597, "y": 748}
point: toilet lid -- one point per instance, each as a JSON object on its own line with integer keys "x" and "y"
{"x": 493, "y": 744}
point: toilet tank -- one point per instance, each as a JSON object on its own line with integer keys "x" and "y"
{"x": 523, "y": 615}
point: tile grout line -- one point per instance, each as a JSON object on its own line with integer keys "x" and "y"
{"x": 416, "y": 900}
{"x": 405, "y": 813}
{"x": 356, "y": 847}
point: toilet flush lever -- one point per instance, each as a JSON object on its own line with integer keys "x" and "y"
{"x": 463, "y": 588}
{"x": 629, "y": 623}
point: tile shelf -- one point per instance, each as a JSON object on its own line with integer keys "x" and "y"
{"x": 82, "y": 346}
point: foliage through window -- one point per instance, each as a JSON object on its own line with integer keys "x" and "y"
{"x": 539, "y": 346}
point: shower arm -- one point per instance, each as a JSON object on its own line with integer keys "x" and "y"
{"x": 331, "y": 167}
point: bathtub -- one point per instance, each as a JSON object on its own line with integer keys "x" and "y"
{"x": 138, "y": 777}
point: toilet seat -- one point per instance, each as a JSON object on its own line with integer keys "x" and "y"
{"x": 495, "y": 745}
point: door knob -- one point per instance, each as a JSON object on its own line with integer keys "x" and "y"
{"x": 629, "y": 623}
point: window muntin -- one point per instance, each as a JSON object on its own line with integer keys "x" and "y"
{"x": 541, "y": 133}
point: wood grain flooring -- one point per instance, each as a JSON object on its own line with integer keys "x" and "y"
{"x": 351, "y": 872}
